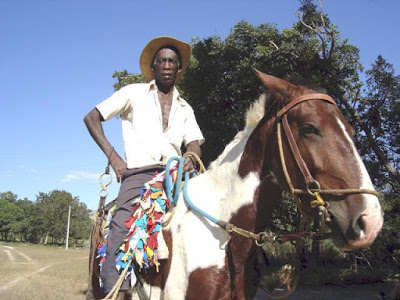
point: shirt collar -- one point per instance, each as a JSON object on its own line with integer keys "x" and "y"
{"x": 152, "y": 86}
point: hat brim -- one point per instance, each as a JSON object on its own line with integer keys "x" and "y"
{"x": 147, "y": 56}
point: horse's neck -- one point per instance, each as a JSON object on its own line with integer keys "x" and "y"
{"x": 246, "y": 201}
{"x": 236, "y": 147}
{"x": 229, "y": 190}
{"x": 225, "y": 188}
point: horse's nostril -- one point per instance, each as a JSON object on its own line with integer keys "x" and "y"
{"x": 357, "y": 228}
{"x": 361, "y": 223}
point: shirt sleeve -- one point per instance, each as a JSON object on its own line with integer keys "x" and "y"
{"x": 193, "y": 132}
{"x": 115, "y": 105}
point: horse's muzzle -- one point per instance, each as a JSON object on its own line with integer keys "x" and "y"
{"x": 359, "y": 227}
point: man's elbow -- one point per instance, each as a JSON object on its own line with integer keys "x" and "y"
{"x": 92, "y": 117}
{"x": 86, "y": 119}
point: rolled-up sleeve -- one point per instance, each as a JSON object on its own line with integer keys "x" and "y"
{"x": 115, "y": 105}
{"x": 192, "y": 129}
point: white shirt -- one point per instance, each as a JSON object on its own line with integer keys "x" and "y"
{"x": 145, "y": 141}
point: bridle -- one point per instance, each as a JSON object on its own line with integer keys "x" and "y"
{"x": 313, "y": 187}
{"x": 262, "y": 237}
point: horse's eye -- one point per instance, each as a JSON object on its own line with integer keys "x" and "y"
{"x": 308, "y": 129}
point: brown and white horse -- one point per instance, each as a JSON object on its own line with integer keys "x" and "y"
{"x": 243, "y": 185}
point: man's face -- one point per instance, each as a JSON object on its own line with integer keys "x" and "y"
{"x": 166, "y": 67}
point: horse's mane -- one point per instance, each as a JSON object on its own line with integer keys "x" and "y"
{"x": 253, "y": 116}
{"x": 257, "y": 110}
{"x": 255, "y": 113}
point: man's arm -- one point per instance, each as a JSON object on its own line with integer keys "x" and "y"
{"x": 190, "y": 163}
{"x": 93, "y": 121}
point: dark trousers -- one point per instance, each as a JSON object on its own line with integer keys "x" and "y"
{"x": 132, "y": 181}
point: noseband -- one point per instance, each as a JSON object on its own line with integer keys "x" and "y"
{"x": 313, "y": 187}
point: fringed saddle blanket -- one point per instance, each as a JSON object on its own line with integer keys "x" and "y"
{"x": 142, "y": 244}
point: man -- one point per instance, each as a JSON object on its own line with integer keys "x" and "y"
{"x": 156, "y": 122}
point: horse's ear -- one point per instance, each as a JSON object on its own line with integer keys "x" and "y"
{"x": 276, "y": 85}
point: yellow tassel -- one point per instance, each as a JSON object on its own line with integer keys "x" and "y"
{"x": 318, "y": 201}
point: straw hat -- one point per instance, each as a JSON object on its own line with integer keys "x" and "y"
{"x": 147, "y": 56}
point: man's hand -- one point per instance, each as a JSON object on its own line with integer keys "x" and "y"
{"x": 189, "y": 165}
{"x": 93, "y": 122}
{"x": 118, "y": 165}
{"x": 190, "y": 162}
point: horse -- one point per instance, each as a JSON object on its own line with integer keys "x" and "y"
{"x": 314, "y": 156}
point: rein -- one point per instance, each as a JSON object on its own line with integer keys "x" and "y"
{"x": 260, "y": 238}
{"x": 313, "y": 187}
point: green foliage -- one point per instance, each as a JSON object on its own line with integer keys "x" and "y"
{"x": 53, "y": 209}
{"x": 285, "y": 217}
{"x": 8, "y": 196}
{"x": 125, "y": 78}
{"x": 80, "y": 223}
{"x": 11, "y": 220}
{"x": 33, "y": 221}
{"x": 380, "y": 111}
{"x": 220, "y": 83}
{"x": 386, "y": 247}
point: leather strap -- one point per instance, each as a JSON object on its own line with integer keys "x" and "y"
{"x": 303, "y": 98}
{"x": 282, "y": 115}
{"x": 296, "y": 152}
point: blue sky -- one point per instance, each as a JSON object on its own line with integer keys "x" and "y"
{"x": 57, "y": 58}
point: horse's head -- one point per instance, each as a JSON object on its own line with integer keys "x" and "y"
{"x": 326, "y": 160}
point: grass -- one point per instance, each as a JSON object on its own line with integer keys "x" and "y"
{"x": 42, "y": 272}
{"x": 38, "y": 272}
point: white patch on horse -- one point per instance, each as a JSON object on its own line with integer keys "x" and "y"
{"x": 220, "y": 192}
{"x": 253, "y": 115}
{"x": 197, "y": 242}
{"x": 373, "y": 208}
{"x": 365, "y": 179}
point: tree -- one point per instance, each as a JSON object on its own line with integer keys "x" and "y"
{"x": 81, "y": 224}
{"x": 25, "y": 226}
{"x": 11, "y": 215}
{"x": 379, "y": 111}
{"x": 220, "y": 84}
{"x": 382, "y": 87}
{"x": 9, "y": 197}
{"x": 125, "y": 78}
{"x": 53, "y": 214}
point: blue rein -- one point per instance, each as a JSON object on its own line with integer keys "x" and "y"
{"x": 169, "y": 187}
{"x": 260, "y": 238}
